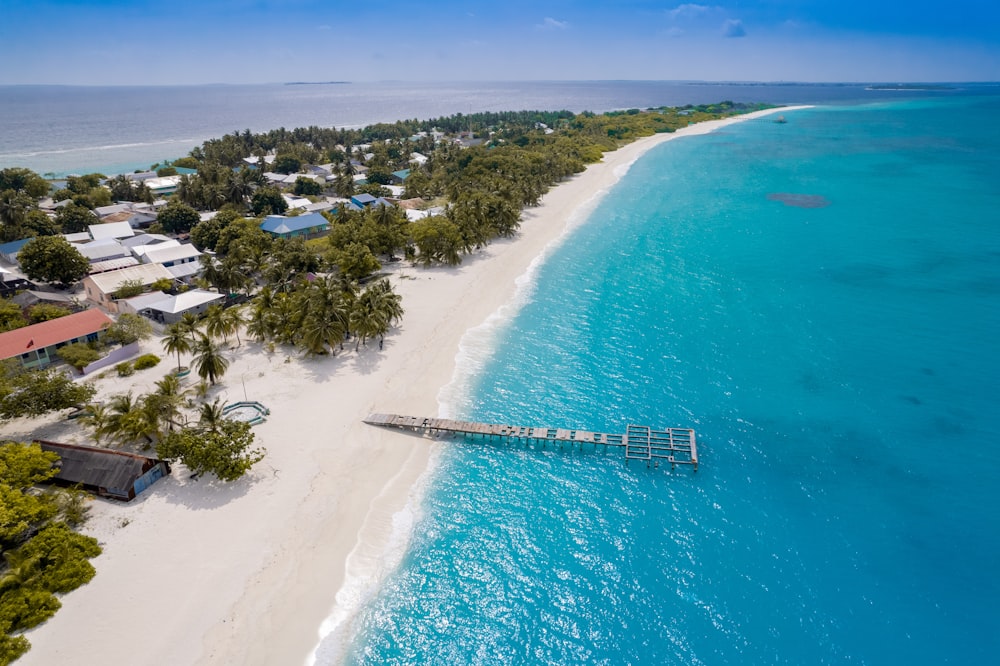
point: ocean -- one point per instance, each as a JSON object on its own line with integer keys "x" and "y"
{"x": 819, "y": 300}
{"x": 61, "y": 130}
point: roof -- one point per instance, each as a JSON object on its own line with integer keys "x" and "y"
{"x": 362, "y": 199}
{"x": 107, "y": 248}
{"x": 110, "y": 230}
{"x": 31, "y": 296}
{"x": 13, "y": 247}
{"x": 38, "y": 336}
{"x": 160, "y": 255}
{"x": 402, "y": 174}
{"x": 144, "y": 300}
{"x": 79, "y": 237}
{"x": 145, "y": 273}
{"x": 102, "y": 211}
{"x": 144, "y": 239}
{"x": 184, "y": 301}
{"x": 279, "y": 224}
{"x": 112, "y": 264}
{"x": 163, "y": 183}
{"x": 116, "y": 471}
{"x": 181, "y": 271}
{"x": 141, "y": 250}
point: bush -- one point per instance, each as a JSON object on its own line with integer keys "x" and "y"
{"x": 79, "y": 355}
{"x": 146, "y": 361}
{"x": 125, "y": 369}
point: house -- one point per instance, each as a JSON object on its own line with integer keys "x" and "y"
{"x": 101, "y": 286}
{"x": 163, "y": 187}
{"x": 418, "y": 158}
{"x": 309, "y": 225}
{"x": 137, "y": 304}
{"x": 35, "y": 346}
{"x": 362, "y": 200}
{"x": 143, "y": 239}
{"x": 9, "y": 251}
{"x": 399, "y": 177}
{"x": 102, "y": 250}
{"x": 172, "y": 255}
{"x": 110, "y": 230}
{"x": 170, "y": 309}
{"x": 31, "y": 297}
{"x": 112, "y": 264}
{"x": 141, "y": 176}
{"x": 104, "y": 472}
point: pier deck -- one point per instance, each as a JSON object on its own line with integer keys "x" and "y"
{"x": 676, "y": 446}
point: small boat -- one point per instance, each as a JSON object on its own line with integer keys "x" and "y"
{"x": 780, "y": 120}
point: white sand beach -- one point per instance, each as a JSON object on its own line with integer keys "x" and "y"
{"x": 201, "y": 572}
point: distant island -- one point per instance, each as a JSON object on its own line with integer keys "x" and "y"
{"x": 910, "y": 86}
{"x": 315, "y": 83}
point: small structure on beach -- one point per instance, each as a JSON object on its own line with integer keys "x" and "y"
{"x": 104, "y": 472}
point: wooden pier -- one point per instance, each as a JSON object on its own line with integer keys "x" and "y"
{"x": 673, "y": 445}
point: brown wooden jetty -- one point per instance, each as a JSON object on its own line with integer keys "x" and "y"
{"x": 674, "y": 445}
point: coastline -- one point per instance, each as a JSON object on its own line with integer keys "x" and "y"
{"x": 320, "y": 512}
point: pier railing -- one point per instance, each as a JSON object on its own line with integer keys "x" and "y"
{"x": 675, "y": 446}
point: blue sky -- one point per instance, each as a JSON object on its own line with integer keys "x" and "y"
{"x": 247, "y": 41}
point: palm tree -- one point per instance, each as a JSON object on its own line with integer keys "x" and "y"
{"x": 130, "y": 420}
{"x": 215, "y": 326}
{"x": 208, "y": 360}
{"x": 176, "y": 341}
{"x": 233, "y": 320}
{"x": 167, "y": 400}
{"x": 98, "y": 419}
{"x": 211, "y": 416}
{"x": 189, "y": 323}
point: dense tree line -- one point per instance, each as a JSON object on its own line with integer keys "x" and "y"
{"x": 41, "y": 554}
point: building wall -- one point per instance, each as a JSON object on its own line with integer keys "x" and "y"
{"x": 46, "y": 356}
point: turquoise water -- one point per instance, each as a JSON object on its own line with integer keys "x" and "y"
{"x": 839, "y": 364}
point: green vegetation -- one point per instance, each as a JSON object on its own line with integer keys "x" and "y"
{"x": 36, "y": 392}
{"x": 42, "y": 555}
{"x": 146, "y": 361}
{"x": 125, "y": 369}
{"x": 78, "y": 355}
{"x": 128, "y": 329}
{"x": 225, "y": 448}
{"x": 177, "y": 217}
{"x": 53, "y": 259}
{"x": 46, "y": 312}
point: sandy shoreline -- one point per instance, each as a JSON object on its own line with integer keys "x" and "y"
{"x": 198, "y": 572}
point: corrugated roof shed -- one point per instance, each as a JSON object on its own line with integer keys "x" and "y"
{"x": 52, "y": 332}
{"x": 113, "y": 471}
{"x": 157, "y": 255}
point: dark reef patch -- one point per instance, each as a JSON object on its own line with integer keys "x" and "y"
{"x": 799, "y": 200}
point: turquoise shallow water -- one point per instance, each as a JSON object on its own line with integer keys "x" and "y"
{"x": 839, "y": 364}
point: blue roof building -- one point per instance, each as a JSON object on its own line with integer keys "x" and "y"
{"x": 9, "y": 251}
{"x": 304, "y": 226}
{"x": 398, "y": 177}
{"x": 363, "y": 199}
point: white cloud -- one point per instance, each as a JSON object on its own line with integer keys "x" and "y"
{"x": 552, "y": 24}
{"x": 733, "y": 28}
{"x": 687, "y": 10}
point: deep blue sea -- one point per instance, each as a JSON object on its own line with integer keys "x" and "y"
{"x": 61, "y": 130}
{"x": 819, "y": 300}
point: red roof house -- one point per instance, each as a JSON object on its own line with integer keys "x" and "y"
{"x": 36, "y": 345}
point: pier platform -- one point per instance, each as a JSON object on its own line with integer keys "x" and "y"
{"x": 675, "y": 446}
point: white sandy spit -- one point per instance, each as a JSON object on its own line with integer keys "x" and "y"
{"x": 201, "y": 572}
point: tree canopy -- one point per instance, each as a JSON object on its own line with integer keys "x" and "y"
{"x": 52, "y": 259}
{"x": 225, "y": 450}
{"x": 42, "y": 555}
{"x": 36, "y": 392}
{"x": 177, "y": 217}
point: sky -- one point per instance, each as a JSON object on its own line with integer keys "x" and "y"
{"x": 162, "y": 42}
